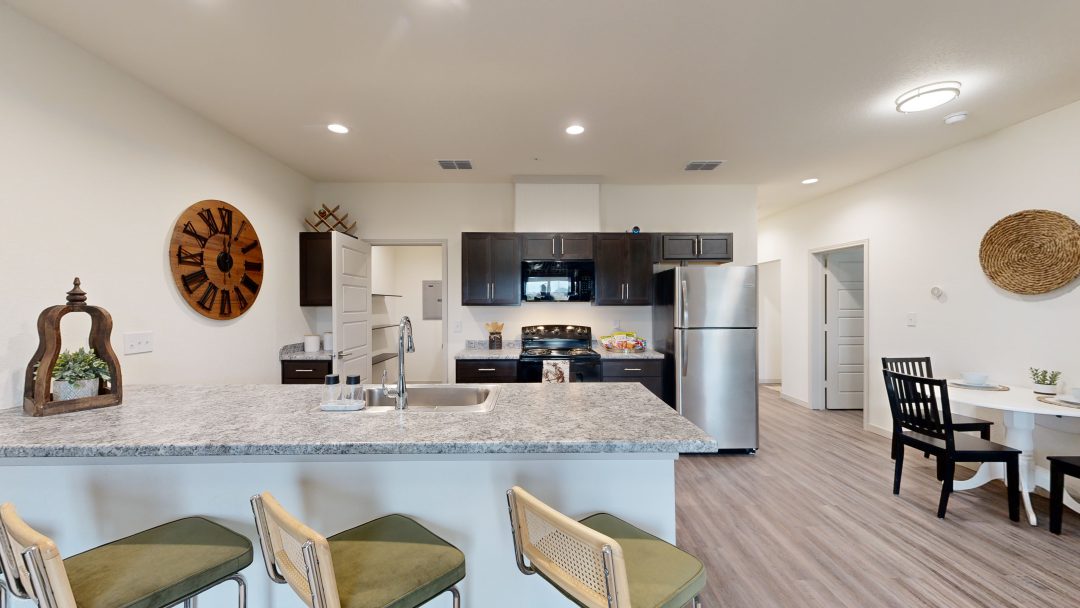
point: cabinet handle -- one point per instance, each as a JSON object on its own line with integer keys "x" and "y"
{"x": 485, "y": 369}
{"x": 631, "y": 369}
{"x": 562, "y": 246}
{"x": 552, "y": 245}
{"x": 304, "y": 370}
{"x": 700, "y": 249}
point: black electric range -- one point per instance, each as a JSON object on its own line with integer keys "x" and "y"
{"x": 571, "y": 343}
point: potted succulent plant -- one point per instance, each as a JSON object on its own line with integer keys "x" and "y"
{"x": 78, "y": 374}
{"x": 1045, "y": 380}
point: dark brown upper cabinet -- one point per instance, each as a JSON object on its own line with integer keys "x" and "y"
{"x": 490, "y": 269}
{"x": 716, "y": 247}
{"x": 316, "y": 278}
{"x": 624, "y": 269}
{"x": 556, "y": 246}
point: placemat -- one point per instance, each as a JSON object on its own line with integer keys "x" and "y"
{"x": 992, "y": 387}
{"x": 1056, "y": 401}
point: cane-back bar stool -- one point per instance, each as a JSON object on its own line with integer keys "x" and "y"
{"x": 601, "y": 561}
{"x": 390, "y": 562}
{"x": 160, "y": 567}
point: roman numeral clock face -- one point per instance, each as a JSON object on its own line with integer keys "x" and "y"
{"x": 216, "y": 260}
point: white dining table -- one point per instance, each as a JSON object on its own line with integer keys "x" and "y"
{"x": 1020, "y": 406}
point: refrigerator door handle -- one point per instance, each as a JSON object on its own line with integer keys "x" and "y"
{"x": 685, "y": 354}
{"x": 682, "y": 305}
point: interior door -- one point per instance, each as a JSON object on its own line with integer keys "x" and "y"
{"x": 351, "y": 271}
{"x": 844, "y": 340}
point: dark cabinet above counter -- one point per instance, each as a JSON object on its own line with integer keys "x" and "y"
{"x": 714, "y": 247}
{"x": 556, "y": 246}
{"x": 491, "y": 262}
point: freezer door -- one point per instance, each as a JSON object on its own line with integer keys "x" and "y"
{"x": 716, "y": 384}
{"x": 716, "y": 296}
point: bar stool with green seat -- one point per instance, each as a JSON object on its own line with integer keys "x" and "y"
{"x": 601, "y": 561}
{"x": 157, "y": 568}
{"x": 390, "y": 562}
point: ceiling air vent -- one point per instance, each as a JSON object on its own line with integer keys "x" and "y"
{"x": 455, "y": 165}
{"x": 702, "y": 165}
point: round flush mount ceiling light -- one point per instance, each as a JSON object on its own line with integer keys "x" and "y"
{"x": 928, "y": 96}
{"x": 955, "y": 117}
{"x": 336, "y": 128}
{"x": 810, "y": 180}
{"x": 575, "y": 130}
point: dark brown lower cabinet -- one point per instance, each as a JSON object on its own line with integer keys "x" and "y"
{"x": 646, "y": 371}
{"x": 305, "y": 372}
{"x": 486, "y": 371}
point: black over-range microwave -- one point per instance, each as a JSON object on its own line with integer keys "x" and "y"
{"x": 557, "y": 281}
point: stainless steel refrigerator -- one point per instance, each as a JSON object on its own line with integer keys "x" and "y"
{"x": 705, "y": 323}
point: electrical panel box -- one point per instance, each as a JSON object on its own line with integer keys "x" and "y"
{"x": 432, "y": 291}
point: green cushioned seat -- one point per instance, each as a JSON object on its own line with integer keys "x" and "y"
{"x": 158, "y": 567}
{"x": 393, "y": 562}
{"x": 661, "y": 575}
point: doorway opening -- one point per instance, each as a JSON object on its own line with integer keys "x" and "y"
{"x": 409, "y": 278}
{"x": 770, "y": 344}
{"x": 838, "y": 327}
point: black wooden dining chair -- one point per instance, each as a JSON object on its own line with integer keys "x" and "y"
{"x": 920, "y": 366}
{"x": 921, "y": 412}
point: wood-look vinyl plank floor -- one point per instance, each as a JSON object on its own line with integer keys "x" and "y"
{"x": 811, "y": 521}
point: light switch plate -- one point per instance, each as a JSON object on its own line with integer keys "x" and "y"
{"x": 138, "y": 342}
{"x": 457, "y": 327}
{"x": 912, "y": 319}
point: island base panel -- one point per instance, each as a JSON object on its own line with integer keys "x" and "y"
{"x": 83, "y": 503}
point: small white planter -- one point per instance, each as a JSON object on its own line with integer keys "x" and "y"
{"x": 64, "y": 391}
{"x": 1046, "y": 389}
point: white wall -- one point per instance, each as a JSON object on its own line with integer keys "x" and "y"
{"x": 96, "y": 169}
{"x": 924, "y": 223}
{"x": 401, "y": 271}
{"x": 770, "y": 347}
{"x": 444, "y": 211}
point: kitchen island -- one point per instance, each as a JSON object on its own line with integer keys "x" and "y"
{"x": 171, "y": 451}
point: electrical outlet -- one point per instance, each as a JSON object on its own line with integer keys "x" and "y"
{"x": 457, "y": 327}
{"x": 912, "y": 319}
{"x": 138, "y": 342}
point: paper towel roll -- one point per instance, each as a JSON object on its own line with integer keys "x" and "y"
{"x": 311, "y": 344}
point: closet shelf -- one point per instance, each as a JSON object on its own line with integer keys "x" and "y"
{"x": 379, "y": 358}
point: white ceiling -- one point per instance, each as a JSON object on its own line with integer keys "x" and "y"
{"x": 781, "y": 89}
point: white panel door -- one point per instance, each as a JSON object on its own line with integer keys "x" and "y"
{"x": 352, "y": 306}
{"x": 844, "y": 340}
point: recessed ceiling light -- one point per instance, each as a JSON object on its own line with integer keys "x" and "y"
{"x": 575, "y": 129}
{"x": 336, "y": 128}
{"x": 810, "y": 180}
{"x": 955, "y": 117}
{"x": 928, "y": 96}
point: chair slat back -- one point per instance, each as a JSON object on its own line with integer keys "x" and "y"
{"x": 283, "y": 539}
{"x": 568, "y": 553}
{"x": 40, "y": 566}
{"x": 920, "y": 405}
{"x": 912, "y": 366}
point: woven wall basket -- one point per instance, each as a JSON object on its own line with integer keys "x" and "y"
{"x": 1032, "y": 252}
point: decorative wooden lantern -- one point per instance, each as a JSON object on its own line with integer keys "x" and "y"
{"x": 37, "y": 395}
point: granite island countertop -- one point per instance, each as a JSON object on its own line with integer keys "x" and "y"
{"x": 285, "y": 420}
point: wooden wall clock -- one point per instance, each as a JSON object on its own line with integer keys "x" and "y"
{"x": 216, "y": 260}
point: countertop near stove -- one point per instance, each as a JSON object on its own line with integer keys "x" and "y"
{"x": 295, "y": 352}
{"x": 514, "y": 353}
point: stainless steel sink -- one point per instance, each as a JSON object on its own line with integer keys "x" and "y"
{"x": 463, "y": 398}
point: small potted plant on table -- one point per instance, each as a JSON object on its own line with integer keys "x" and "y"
{"x": 78, "y": 374}
{"x": 1045, "y": 380}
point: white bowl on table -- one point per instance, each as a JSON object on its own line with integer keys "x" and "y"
{"x": 975, "y": 378}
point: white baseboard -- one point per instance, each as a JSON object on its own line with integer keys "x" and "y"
{"x": 790, "y": 399}
{"x": 769, "y": 381}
